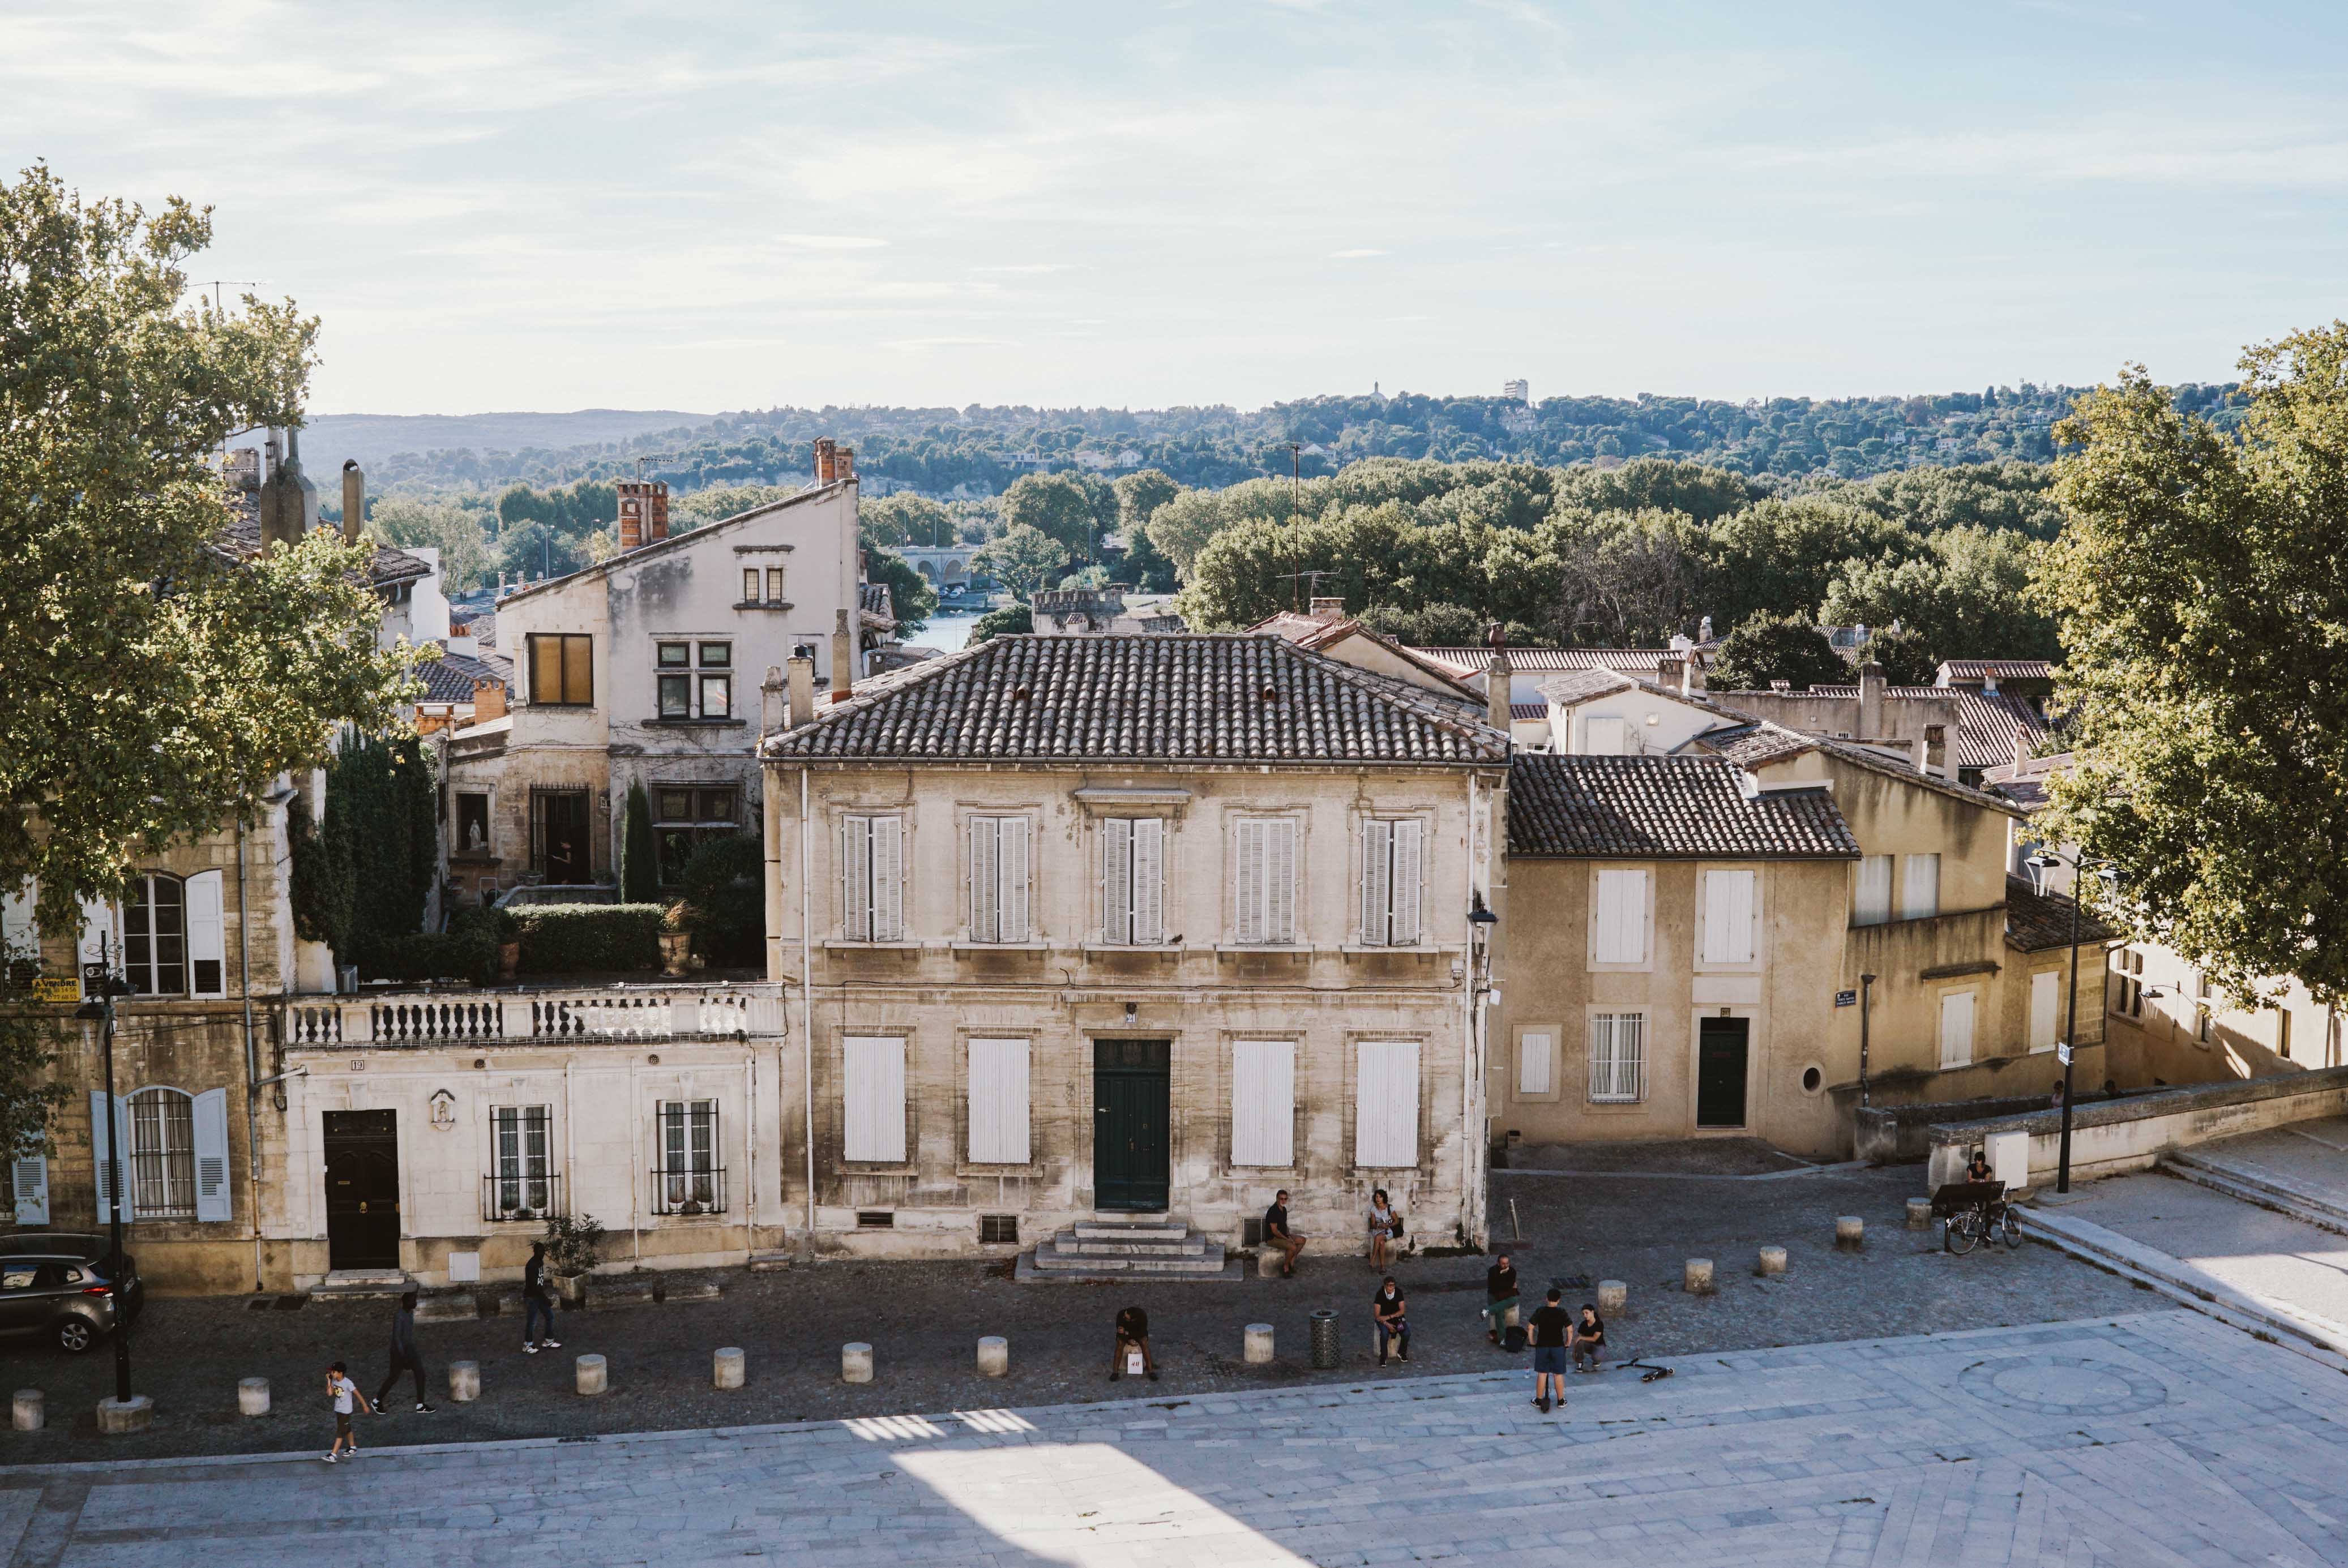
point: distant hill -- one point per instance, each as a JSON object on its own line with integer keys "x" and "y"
{"x": 484, "y": 438}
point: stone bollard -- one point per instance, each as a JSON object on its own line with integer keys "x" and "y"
{"x": 1850, "y": 1232}
{"x": 1919, "y": 1214}
{"x": 252, "y": 1396}
{"x": 856, "y": 1363}
{"x": 1613, "y": 1297}
{"x": 464, "y": 1381}
{"x": 1512, "y": 1320}
{"x": 1257, "y": 1343}
{"x": 594, "y": 1374}
{"x": 1697, "y": 1280}
{"x": 1772, "y": 1261}
{"x": 728, "y": 1367}
{"x": 117, "y": 1418}
{"x": 1267, "y": 1262}
{"x": 28, "y": 1415}
{"x": 994, "y": 1356}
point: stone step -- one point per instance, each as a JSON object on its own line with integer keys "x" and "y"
{"x": 1062, "y": 1263}
{"x": 1105, "y": 1231}
{"x": 1027, "y": 1271}
{"x": 1073, "y": 1247}
{"x": 771, "y": 1260}
{"x": 363, "y": 1283}
{"x": 2264, "y": 1188}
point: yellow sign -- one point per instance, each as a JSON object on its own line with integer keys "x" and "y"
{"x": 56, "y": 991}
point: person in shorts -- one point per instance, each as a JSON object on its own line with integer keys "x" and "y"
{"x": 1588, "y": 1339}
{"x": 1553, "y": 1328}
{"x": 345, "y": 1395}
{"x": 1276, "y": 1232}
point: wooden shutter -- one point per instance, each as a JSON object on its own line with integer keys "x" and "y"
{"x": 208, "y": 1115}
{"x": 1536, "y": 1063}
{"x": 856, "y": 876}
{"x": 1011, "y": 879}
{"x": 207, "y": 936}
{"x": 1279, "y": 878}
{"x": 1263, "y": 1103}
{"x": 888, "y": 879}
{"x": 998, "y": 1101}
{"x": 108, "y": 1130}
{"x": 1149, "y": 881}
{"x": 1377, "y": 882}
{"x": 1250, "y": 878}
{"x": 2045, "y": 1004}
{"x": 1117, "y": 912}
{"x": 1874, "y": 903}
{"x": 1728, "y": 917}
{"x": 985, "y": 906}
{"x": 1621, "y": 925}
{"x": 1385, "y": 1104}
{"x": 29, "y": 1175}
{"x": 1956, "y": 1028}
{"x": 1919, "y": 888}
{"x": 1409, "y": 858}
{"x": 872, "y": 1086}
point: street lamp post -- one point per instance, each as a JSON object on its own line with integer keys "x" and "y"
{"x": 104, "y": 985}
{"x": 2043, "y": 863}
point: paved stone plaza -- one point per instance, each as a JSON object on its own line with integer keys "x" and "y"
{"x": 2152, "y": 1440}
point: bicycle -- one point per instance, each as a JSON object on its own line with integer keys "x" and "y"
{"x": 1972, "y": 1213}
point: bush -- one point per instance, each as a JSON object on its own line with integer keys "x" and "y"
{"x": 574, "y": 1246}
{"x": 726, "y": 900}
{"x": 639, "y": 874}
{"x": 570, "y": 938}
{"x": 452, "y": 955}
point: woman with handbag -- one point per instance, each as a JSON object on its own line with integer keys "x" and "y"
{"x": 1384, "y": 1226}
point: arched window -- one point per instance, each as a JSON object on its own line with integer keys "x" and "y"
{"x": 163, "y": 1154}
{"x": 155, "y": 937}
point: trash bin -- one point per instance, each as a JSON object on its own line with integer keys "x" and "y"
{"x": 1324, "y": 1339}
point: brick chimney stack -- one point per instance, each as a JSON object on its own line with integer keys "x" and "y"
{"x": 1497, "y": 678}
{"x": 643, "y": 513}
{"x": 353, "y": 499}
{"x": 826, "y": 462}
{"x": 1328, "y": 612}
{"x": 489, "y": 699}
{"x": 844, "y": 464}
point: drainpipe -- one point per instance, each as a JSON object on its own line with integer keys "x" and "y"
{"x": 807, "y": 1010}
{"x": 251, "y": 1057}
{"x": 1866, "y": 990}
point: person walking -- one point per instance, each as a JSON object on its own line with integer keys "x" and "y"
{"x": 1132, "y": 1340}
{"x": 1500, "y": 1295}
{"x": 403, "y": 1358}
{"x": 1382, "y": 1230}
{"x": 537, "y": 1303}
{"x": 1390, "y": 1310}
{"x": 1552, "y": 1332}
{"x": 344, "y": 1394}
{"x": 1588, "y": 1339}
{"x": 1277, "y": 1233}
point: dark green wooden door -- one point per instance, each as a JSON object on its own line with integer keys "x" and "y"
{"x": 1720, "y": 1068}
{"x": 1129, "y": 1117}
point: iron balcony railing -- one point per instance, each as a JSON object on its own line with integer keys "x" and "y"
{"x": 520, "y": 1200}
{"x": 689, "y": 1192}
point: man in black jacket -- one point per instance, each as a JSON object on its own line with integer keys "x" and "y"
{"x": 1499, "y": 1294}
{"x": 403, "y": 1358}
{"x": 536, "y": 1304}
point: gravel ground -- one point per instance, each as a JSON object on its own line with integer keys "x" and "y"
{"x": 1676, "y": 1157}
{"x": 923, "y": 1320}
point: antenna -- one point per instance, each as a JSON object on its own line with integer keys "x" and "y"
{"x": 651, "y": 457}
{"x": 216, "y": 284}
{"x": 1310, "y": 579}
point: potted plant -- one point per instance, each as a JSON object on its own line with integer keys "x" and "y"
{"x": 676, "y": 938}
{"x": 573, "y": 1248}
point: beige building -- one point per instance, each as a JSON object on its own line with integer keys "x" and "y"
{"x": 1131, "y": 926}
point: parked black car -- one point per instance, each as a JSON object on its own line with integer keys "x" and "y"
{"x": 55, "y": 1283}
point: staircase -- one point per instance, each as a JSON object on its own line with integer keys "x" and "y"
{"x": 1102, "y": 1251}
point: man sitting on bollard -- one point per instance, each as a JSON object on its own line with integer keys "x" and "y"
{"x": 1500, "y": 1295}
{"x": 1390, "y": 1310}
{"x": 1132, "y": 1346}
{"x": 1276, "y": 1232}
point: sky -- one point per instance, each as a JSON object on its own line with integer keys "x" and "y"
{"x": 723, "y": 206}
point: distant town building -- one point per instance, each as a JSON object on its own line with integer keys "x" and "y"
{"x": 1518, "y": 391}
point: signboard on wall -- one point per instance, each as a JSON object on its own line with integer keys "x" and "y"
{"x": 1846, "y": 999}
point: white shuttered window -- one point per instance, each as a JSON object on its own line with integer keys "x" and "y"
{"x": 1386, "y": 1104}
{"x": 1873, "y": 904}
{"x": 872, "y": 878}
{"x": 1729, "y": 910}
{"x": 1920, "y": 886}
{"x": 1266, "y": 852}
{"x": 998, "y": 878}
{"x": 998, "y": 1101}
{"x": 1263, "y": 1103}
{"x": 29, "y": 1179}
{"x": 1956, "y": 1028}
{"x": 207, "y": 936}
{"x": 2045, "y": 999}
{"x": 1536, "y": 1063}
{"x": 1393, "y": 857}
{"x": 1617, "y": 1056}
{"x": 872, "y": 1088}
{"x": 1133, "y": 880}
{"x": 1618, "y": 924}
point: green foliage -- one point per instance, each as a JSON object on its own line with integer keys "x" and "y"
{"x": 1661, "y": 483}
{"x": 573, "y": 1245}
{"x": 575, "y": 938}
{"x": 1010, "y": 620}
{"x": 912, "y": 596}
{"x": 1443, "y": 626}
{"x": 1062, "y": 507}
{"x": 2009, "y": 494}
{"x": 457, "y": 532}
{"x": 381, "y": 811}
{"x": 726, "y": 900}
{"x": 639, "y": 860}
{"x": 1024, "y": 559}
{"x": 2202, "y": 605}
{"x": 531, "y": 549}
{"x": 160, "y": 688}
{"x": 1968, "y": 596}
{"x": 469, "y": 954}
{"x": 1769, "y": 648}
{"x": 30, "y": 1095}
{"x": 904, "y": 518}
{"x": 322, "y": 883}
{"x": 1783, "y": 556}
{"x": 1907, "y": 659}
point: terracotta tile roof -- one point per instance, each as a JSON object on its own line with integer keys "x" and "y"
{"x": 1524, "y": 661}
{"x": 1652, "y": 809}
{"x": 874, "y": 607}
{"x": 1996, "y": 669}
{"x": 1188, "y": 697}
{"x": 1580, "y": 685}
{"x": 241, "y": 541}
{"x": 1761, "y": 743}
{"x": 450, "y": 677}
{"x": 1756, "y": 744}
{"x": 2024, "y": 783}
{"x": 2035, "y": 921}
{"x": 1528, "y": 711}
{"x": 1987, "y": 725}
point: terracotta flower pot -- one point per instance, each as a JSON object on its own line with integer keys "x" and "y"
{"x": 508, "y": 959}
{"x": 676, "y": 948}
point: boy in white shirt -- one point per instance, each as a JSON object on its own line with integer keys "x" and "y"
{"x": 345, "y": 1394}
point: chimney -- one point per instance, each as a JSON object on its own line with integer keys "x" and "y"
{"x": 639, "y": 508}
{"x": 1692, "y": 676}
{"x": 243, "y": 469}
{"x": 353, "y": 499}
{"x": 802, "y": 685}
{"x": 843, "y": 465}
{"x": 825, "y": 464}
{"x": 655, "y": 511}
{"x": 1669, "y": 672}
{"x": 1328, "y": 612}
{"x": 289, "y": 501}
{"x": 2021, "y": 747}
{"x": 462, "y": 640}
{"x": 843, "y": 656}
{"x": 1870, "y": 701}
{"x": 1498, "y": 676}
{"x": 1936, "y": 750}
{"x": 772, "y": 711}
{"x": 488, "y": 699}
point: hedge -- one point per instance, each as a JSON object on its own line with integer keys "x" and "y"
{"x": 455, "y": 955}
{"x": 726, "y": 900}
{"x": 569, "y": 938}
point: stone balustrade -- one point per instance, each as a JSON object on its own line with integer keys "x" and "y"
{"x": 535, "y": 1014}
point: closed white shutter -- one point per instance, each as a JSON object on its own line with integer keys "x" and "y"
{"x": 1621, "y": 921}
{"x": 1117, "y": 880}
{"x": 209, "y": 1118}
{"x": 108, "y": 1132}
{"x": 1149, "y": 881}
{"x": 1385, "y": 1104}
{"x": 1280, "y": 877}
{"x": 29, "y": 1175}
{"x": 1409, "y": 855}
{"x": 1377, "y": 882}
{"x": 1536, "y": 1063}
{"x": 998, "y": 1101}
{"x": 1250, "y": 878}
{"x": 1728, "y": 917}
{"x": 856, "y": 877}
{"x": 207, "y": 936}
{"x": 1011, "y": 879}
{"x": 1873, "y": 906}
{"x": 872, "y": 1088}
{"x": 1263, "y": 1103}
{"x": 2045, "y": 995}
{"x": 888, "y": 879}
{"x": 1919, "y": 888}
{"x": 17, "y": 928}
{"x": 1956, "y": 1028}
{"x": 983, "y": 882}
